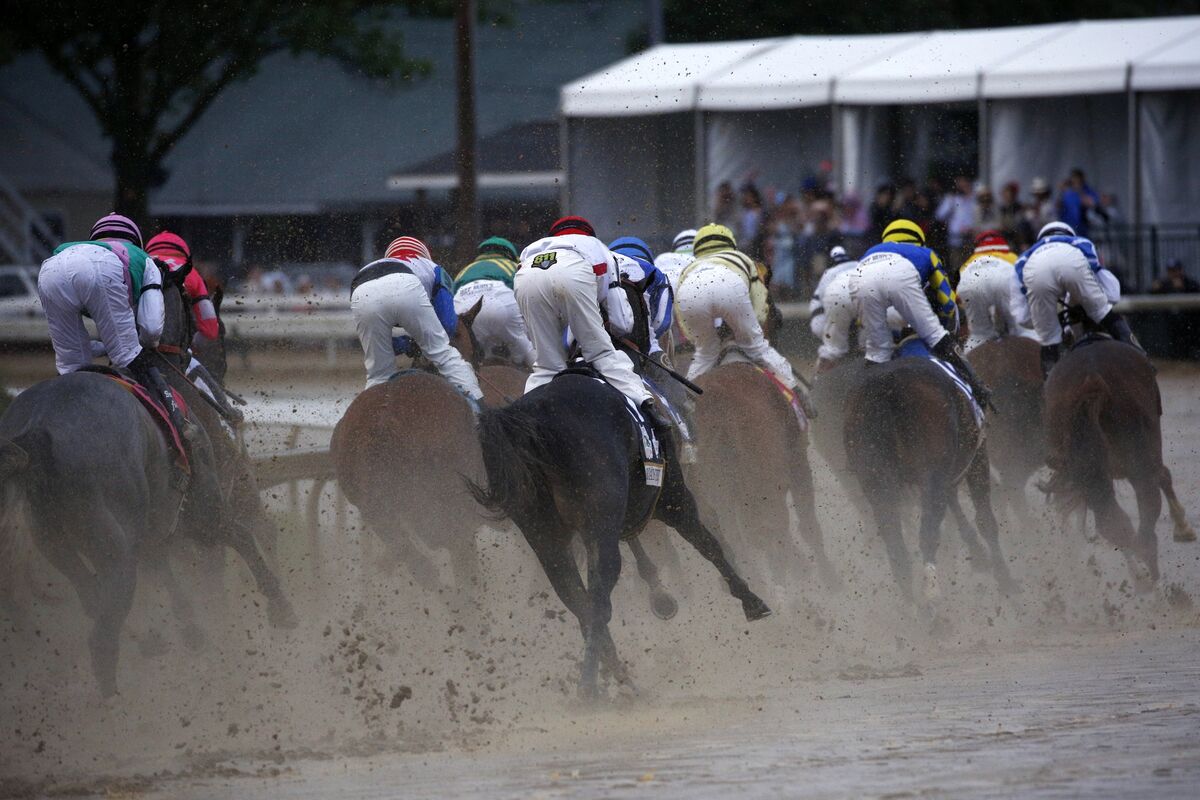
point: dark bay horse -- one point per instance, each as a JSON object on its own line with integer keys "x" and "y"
{"x": 566, "y": 460}
{"x": 85, "y": 470}
{"x": 1011, "y": 368}
{"x": 1102, "y": 423}
{"x": 909, "y": 429}
{"x": 752, "y": 454}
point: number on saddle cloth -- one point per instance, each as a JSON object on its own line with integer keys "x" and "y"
{"x": 915, "y": 347}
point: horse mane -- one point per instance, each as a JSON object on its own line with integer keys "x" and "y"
{"x": 516, "y": 457}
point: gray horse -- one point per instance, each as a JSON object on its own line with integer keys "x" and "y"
{"x": 85, "y": 469}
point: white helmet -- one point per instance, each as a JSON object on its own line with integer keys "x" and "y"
{"x": 683, "y": 241}
{"x": 1056, "y": 229}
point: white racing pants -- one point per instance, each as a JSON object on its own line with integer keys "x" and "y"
{"x": 885, "y": 280}
{"x": 985, "y": 297}
{"x": 499, "y": 321}
{"x": 841, "y": 311}
{"x": 563, "y": 295}
{"x": 400, "y": 301}
{"x": 91, "y": 279}
{"x": 1050, "y": 274}
{"x": 710, "y": 292}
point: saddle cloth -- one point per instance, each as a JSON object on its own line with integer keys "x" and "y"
{"x": 732, "y": 354}
{"x": 160, "y": 416}
{"x": 914, "y": 346}
{"x": 651, "y": 447}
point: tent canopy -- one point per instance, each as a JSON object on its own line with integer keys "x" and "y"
{"x": 799, "y": 72}
{"x": 1090, "y": 58}
{"x": 662, "y": 80}
{"x": 940, "y": 67}
{"x": 1072, "y": 58}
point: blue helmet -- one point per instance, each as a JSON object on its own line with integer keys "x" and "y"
{"x": 635, "y": 248}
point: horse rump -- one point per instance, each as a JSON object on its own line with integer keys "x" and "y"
{"x": 516, "y": 461}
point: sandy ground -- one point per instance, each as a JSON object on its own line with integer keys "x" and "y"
{"x": 1077, "y": 686}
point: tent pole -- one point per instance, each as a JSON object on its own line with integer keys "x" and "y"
{"x": 1135, "y": 165}
{"x": 700, "y": 179}
{"x": 835, "y": 138}
{"x": 984, "y": 133}
{"x": 564, "y": 164}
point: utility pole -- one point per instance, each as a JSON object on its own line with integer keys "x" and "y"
{"x": 466, "y": 215}
{"x": 656, "y": 30}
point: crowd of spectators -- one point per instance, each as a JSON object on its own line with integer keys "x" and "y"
{"x": 792, "y": 232}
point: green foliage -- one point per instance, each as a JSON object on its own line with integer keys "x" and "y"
{"x": 713, "y": 20}
{"x": 150, "y": 70}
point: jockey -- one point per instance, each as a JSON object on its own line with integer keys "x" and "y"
{"x": 564, "y": 281}
{"x": 405, "y": 289}
{"x": 638, "y": 267}
{"x": 173, "y": 252}
{"x": 903, "y": 273}
{"x": 985, "y": 290}
{"x": 1059, "y": 264}
{"x": 499, "y": 323}
{"x": 833, "y": 310}
{"x": 112, "y": 280}
{"x": 672, "y": 263}
{"x": 724, "y": 283}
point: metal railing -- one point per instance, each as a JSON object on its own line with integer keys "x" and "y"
{"x": 1140, "y": 254}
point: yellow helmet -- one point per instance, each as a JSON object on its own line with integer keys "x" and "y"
{"x": 904, "y": 230}
{"x": 713, "y": 238}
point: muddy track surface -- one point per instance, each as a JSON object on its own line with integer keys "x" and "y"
{"x": 1078, "y": 686}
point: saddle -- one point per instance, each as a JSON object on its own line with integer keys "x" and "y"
{"x": 651, "y": 446}
{"x": 915, "y": 347}
{"x": 159, "y": 414}
{"x": 732, "y": 354}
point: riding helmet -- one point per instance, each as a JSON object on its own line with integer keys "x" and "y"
{"x": 569, "y": 225}
{"x": 713, "y": 238}
{"x": 407, "y": 247}
{"x": 117, "y": 226}
{"x": 498, "y": 245}
{"x": 1056, "y": 229}
{"x": 904, "y": 230}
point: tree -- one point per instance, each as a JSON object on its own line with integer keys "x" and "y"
{"x": 715, "y": 20}
{"x": 150, "y": 70}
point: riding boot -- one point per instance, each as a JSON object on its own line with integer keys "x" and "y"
{"x": 204, "y": 380}
{"x": 944, "y": 350}
{"x": 1117, "y": 327}
{"x": 1050, "y": 354}
{"x": 663, "y": 427}
{"x": 148, "y": 375}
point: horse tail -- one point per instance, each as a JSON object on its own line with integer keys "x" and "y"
{"x": 514, "y": 458}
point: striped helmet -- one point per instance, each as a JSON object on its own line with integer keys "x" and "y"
{"x": 633, "y": 247}
{"x": 904, "y": 230}
{"x": 407, "y": 247}
{"x": 713, "y": 238}
{"x": 117, "y": 226}
{"x": 684, "y": 240}
{"x": 169, "y": 248}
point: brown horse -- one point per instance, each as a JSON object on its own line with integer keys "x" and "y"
{"x": 400, "y": 453}
{"x": 909, "y": 429}
{"x": 1102, "y": 424}
{"x": 1011, "y": 368}
{"x": 752, "y": 454}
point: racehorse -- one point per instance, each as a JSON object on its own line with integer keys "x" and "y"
{"x": 752, "y": 454}
{"x": 1102, "y": 423}
{"x": 400, "y": 452}
{"x": 566, "y": 460}
{"x": 1011, "y": 368}
{"x": 909, "y": 427}
{"x": 84, "y": 466}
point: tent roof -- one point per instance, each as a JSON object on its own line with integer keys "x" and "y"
{"x": 1176, "y": 66}
{"x": 797, "y": 73}
{"x": 942, "y": 66}
{"x": 661, "y": 80}
{"x": 1090, "y": 58}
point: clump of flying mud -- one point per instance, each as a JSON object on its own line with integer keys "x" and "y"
{"x": 381, "y": 665}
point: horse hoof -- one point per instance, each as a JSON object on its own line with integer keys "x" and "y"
{"x": 755, "y": 609}
{"x": 933, "y": 590}
{"x": 663, "y": 605}
{"x": 281, "y": 615}
{"x": 1184, "y": 533}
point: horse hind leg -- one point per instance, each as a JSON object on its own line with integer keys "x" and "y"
{"x": 979, "y": 485}
{"x": 1149, "y": 502}
{"x": 802, "y": 499}
{"x": 661, "y": 602}
{"x": 969, "y": 535}
{"x": 933, "y": 511}
{"x": 1183, "y": 529}
{"x": 604, "y": 568}
{"x": 677, "y": 509}
{"x": 115, "y": 581}
{"x": 279, "y": 608}
{"x": 181, "y": 603}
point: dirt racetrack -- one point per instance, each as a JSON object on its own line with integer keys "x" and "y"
{"x": 1079, "y": 686}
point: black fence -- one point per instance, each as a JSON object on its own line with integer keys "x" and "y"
{"x": 1139, "y": 254}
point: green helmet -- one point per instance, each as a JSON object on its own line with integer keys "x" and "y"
{"x": 498, "y": 245}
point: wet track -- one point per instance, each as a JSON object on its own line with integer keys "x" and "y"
{"x": 1079, "y": 687}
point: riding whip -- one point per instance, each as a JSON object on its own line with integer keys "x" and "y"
{"x": 632, "y": 347}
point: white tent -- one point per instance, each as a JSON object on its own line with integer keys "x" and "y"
{"x": 1104, "y": 95}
